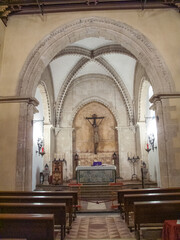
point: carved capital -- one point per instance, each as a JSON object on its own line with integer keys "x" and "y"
{"x": 14, "y": 99}
{"x": 160, "y": 96}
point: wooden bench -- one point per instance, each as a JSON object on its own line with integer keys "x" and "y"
{"x": 43, "y": 199}
{"x": 129, "y": 200}
{"x": 153, "y": 212}
{"x": 58, "y": 209}
{"x": 122, "y": 192}
{"x": 74, "y": 194}
{"x": 28, "y": 226}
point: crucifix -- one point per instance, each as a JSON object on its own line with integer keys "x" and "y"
{"x": 95, "y": 126}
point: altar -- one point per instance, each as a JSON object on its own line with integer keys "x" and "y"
{"x": 96, "y": 174}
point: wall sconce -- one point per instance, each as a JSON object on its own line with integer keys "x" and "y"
{"x": 148, "y": 149}
{"x": 40, "y": 147}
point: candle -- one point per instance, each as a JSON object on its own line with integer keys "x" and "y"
{"x": 147, "y": 146}
{"x": 42, "y": 149}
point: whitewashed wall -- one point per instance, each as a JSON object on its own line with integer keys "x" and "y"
{"x": 37, "y": 166}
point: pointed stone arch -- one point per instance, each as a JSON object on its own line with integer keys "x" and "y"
{"x": 98, "y": 100}
{"x": 118, "y": 32}
{"x": 45, "y": 101}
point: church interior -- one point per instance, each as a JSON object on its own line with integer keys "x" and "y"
{"x": 90, "y": 103}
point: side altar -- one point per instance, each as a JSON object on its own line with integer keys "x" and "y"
{"x": 96, "y": 174}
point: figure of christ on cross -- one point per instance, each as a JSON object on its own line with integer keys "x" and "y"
{"x": 95, "y": 126}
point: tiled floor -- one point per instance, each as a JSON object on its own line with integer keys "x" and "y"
{"x": 99, "y": 226}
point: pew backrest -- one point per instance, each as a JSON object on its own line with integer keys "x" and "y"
{"x": 28, "y": 226}
{"x": 123, "y": 192}
{"x": 156, "y": 211}
{"x": 42, "y": 199}
{"x": 74, "y": 194}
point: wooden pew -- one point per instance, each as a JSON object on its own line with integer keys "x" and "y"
{"x": 42, "y": 199}
{"x": 129, "y": 200}
{"x": 153, "y": 212}
{"x": 122, "y": 192}
{"x": 74, "y": 194}
{"x": 28, "y": 226}
{"x": 58, "y": 209}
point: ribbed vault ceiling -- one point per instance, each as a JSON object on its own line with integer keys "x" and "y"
{"x": 93, "y": 55}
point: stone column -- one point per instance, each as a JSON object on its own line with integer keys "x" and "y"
{"x": 25, "y": 143}
{"x": 126, "y": 143}
{"x": 142, "y": 142}
{"x": 48, "y": 148}
{"x": 167, "y": 130}
{"x": 64, "y": 148}
{"x": 162, "y": 139}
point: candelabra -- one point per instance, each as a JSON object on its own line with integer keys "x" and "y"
{"x": 133, "y": 161}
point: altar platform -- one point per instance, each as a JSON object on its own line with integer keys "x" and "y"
{"x": 96, "y": 175}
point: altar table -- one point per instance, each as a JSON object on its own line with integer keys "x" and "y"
{"x": 171, "y": 230}
{"x": 96, "y": 174}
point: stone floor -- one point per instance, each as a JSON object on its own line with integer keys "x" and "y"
{"x": 99, "y": 226}
{"x": 98, "y": 220}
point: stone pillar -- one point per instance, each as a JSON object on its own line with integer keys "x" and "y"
{"x": 48, "y": 148}
{"x": 64, "y": 149}
{"x": 126, "y": 143}
{"x": 142, "y": 142}
{"x": 162, "y": 140}
{"x": 25, "y": 144}
{"x": 167, "y": 130}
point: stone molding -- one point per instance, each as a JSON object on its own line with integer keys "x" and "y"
{"x": 130, "y": 39}
{"x": 144, "y": 84}
{"x": 45, "y": 101}
{"x": 64, "y": 89}
{"x": 122, "y": 87}
{"x": 14, "y": 99}
{"x": 160, "y": 96}
{"x": 92, "y": 54}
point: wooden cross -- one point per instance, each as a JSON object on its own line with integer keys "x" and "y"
{"x": 95, "y": 126}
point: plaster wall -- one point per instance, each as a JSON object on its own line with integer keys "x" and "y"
{"x": 2, "y": 33}
{"x": 9, "y": 120}
{"x": 37, "y": 166}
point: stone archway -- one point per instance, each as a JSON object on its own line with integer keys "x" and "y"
{"x": 120, "y": 33}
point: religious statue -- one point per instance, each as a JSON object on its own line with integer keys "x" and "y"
{"x": 57, "y": 172}
{"x": 46, "y": 173}
{"x": 95, "y": 126}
